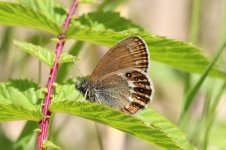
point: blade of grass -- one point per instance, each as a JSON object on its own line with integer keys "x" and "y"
{"x": 193, "y": 34}
{"x": 211, "y": 117}
{"x": 5, "y": 142}
{"x": 195, "y": 18}
{"x": 192, "y": 93}
{"x": 25, "y": 136}
{"x": 6, "y": 40}
{"x": 223, "y": 19}
{"x": 216, "y": 101}
{"x": 5, "y": 47}
{"x": 55, "y": 131}
{"x": 99, "y": 139}
{"x": 201, "y": 122}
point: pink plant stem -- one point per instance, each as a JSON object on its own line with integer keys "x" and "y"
{"x": 44, "y": 123}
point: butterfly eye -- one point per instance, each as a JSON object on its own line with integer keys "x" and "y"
{"x": 128, "y": 74}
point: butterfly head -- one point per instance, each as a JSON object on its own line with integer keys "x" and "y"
{"x": 82, "y": 84}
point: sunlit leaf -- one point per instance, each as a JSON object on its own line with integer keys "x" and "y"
{"x": 14, "y": 14}
{"x": 147, "y": 125}
{"x": 20, "y": 100}
{"x": 44, "y": 55}
{"x": 50, "y": 8}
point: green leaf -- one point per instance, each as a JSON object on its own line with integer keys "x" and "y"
{"x": 96, "y": 28}
{"x": 14, "y": 14}
{"x": 49, "y": 8}
{"x": 18, "y": 100}
{"x": 49, "y": 144}
{"x": 44, "y": 55}
{"x": 149, "y": 116}
{"x": 66, "y": 58}
{"x": 147, "y": 125}
{"x": 66, "y": 92}
{"x": 99, "y": 21}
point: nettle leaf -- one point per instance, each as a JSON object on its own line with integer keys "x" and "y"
{"x": 44, "y": 55}
{"x": 49, "y": 8}
{"x": 96, "y": 28}
{"x": 147, "y": 125}
{"x": 67, "y": 92}
{"x": 14, "y": 14}
{"x": 20, "y": 100}
{"x": 99, "y": 21}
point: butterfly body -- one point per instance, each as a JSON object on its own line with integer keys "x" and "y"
{"x": 120, "y": 80}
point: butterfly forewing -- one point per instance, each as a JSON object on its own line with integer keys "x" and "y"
{"x": 129, "y": 53}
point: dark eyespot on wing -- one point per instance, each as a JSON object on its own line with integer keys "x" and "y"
{"x": 143, "y": 91}
{"x": 128, "y": 74}
{"x": 140, "y": 98}
{"x": 136, "y": 78}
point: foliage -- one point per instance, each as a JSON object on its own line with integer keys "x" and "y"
{"x": 22, "y": 99}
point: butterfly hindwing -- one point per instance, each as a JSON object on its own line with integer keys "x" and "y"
{"x": 125, "y": 90}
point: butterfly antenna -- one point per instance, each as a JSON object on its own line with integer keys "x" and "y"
{"x": 77, "y": 67}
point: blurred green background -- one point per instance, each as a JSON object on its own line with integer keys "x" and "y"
{"x": 202, "y": 22}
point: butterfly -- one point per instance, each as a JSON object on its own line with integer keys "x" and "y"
{"x": 120, "y": 80}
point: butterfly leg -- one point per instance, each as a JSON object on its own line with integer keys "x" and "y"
{"x": 97, "y": 98}
{"x": 85, "y": 95}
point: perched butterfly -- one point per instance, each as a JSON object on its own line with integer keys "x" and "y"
{"x": 120, "y": 80}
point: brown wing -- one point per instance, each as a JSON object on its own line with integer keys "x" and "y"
{"x": 126, "y": 90}
{"x": 129, "y": 53}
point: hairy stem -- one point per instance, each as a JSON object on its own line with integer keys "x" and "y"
{"x": 44, "y": 123}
